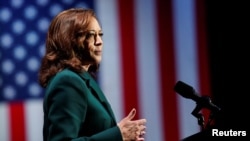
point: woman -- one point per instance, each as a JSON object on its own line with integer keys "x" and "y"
{"x": 75, "y": 107}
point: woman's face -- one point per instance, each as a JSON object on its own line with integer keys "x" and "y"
{"x": 93, "y": 43}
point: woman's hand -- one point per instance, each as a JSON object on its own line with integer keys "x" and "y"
{"x": 132, "y": 130}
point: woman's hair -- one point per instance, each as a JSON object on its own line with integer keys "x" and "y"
{"x": 62, "y": 43}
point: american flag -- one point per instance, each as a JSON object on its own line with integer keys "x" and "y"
{"x": 148, "y": 46}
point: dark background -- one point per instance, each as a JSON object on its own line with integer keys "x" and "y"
{"x": 228, "y": 45}
{"x": 228, "y": 42}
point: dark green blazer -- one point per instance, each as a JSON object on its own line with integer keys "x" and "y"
{"x": 76, "y": 109}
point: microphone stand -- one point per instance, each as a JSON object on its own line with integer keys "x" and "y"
{"x": 203, "y": 103}
{"x": 199, "y": 116}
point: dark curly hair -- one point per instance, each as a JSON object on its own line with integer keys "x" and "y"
{"x": 62, "y": 44}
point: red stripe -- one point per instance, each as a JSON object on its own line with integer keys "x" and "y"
{"x": 167, "y": 70}
{"x": 128, "y": 52}
{"x": 202, "y": 50}
{"x": 17, "y": 122}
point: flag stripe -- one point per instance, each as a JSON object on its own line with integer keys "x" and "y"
{"x": 17, "y": 122}
{"x": 34, "y": 119}
{"x": 147, "y": 56}
{"x": 167, "y": 69}
{"x": 128, "y": 52}
{"x": 202, "y": 53}
{"x": 4, "y": 122}
{"x": 186, "y": 65}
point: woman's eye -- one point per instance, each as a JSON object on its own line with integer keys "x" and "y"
{"x": 90, "y": 35}
{"x": 93, "y": 35}
{"x": 100, "y": 34}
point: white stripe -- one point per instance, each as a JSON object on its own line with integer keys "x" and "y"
{"x": 34, "y": 120}
{"x": 110, "y": 72}
{"x": 4, "y": 122}
{"x": 185, "y": 33}
{"x": 147, "y": 57}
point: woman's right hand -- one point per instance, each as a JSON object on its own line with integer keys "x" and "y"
{"x": 132, "y": 130}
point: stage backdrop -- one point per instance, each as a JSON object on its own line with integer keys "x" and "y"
{"x": 148, "y": 46}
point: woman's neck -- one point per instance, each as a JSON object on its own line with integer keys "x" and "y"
{"x": 85, "y": 67}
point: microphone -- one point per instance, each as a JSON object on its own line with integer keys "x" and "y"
{"x": 188, "y": 92}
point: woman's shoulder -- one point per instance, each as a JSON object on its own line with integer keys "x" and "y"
{"x": 66, "y": 75}
{"x": 66, "y": 72}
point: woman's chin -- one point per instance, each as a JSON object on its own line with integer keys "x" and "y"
{"x": 98, "y": 59}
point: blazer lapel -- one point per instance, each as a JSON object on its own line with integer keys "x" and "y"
{"x": 91, "y": 83}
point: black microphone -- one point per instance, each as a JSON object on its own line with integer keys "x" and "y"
{"x": 188, "y": 92}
